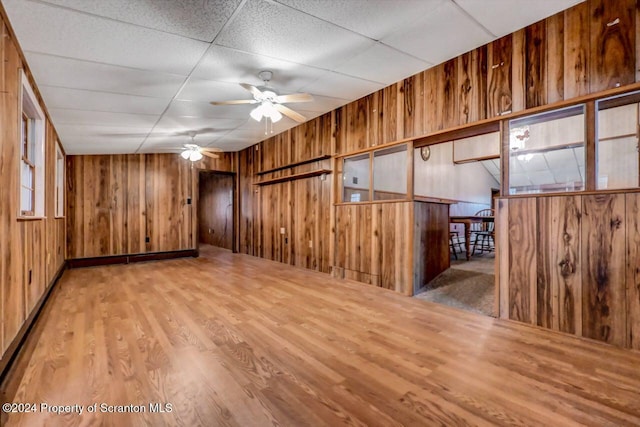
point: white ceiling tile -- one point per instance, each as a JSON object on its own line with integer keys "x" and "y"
{"x": 180, "y": 108}
{"x": 372, "y": 18}
{"x": 71, "y": 73}
{"x": 513, "y": 14}
{"x": 101, "y": 101}
{"x": 157, "y": 143}
{"x": 542, "y": 177}
{"x": 320, "y": 104}
{"x": 519, "y": 180}
{"x": 229, "y": 65}
{"x": 82, "y": 146}
{"x": 341, "y": 86}
{"x": 280, "y": 32}
{"x": 534, "y": 162}
{"x": 76, "y": 35}
{"x": 101, "y": 118}
{"x": 443, "y": 34}
{"x": 207, "y": 91}
{"x": 182, "y": 124}
{"x": 382, "y": 64}
{"x": 196, "y": 19}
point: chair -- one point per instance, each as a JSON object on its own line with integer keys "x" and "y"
{"x": 484, "y": 233}
{"x": 454, "y": 241}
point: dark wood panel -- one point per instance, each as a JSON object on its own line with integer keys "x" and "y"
{"x": 390, "y": 122}
{"x": 472, "y": 86}
{"x": 412, "y": 90}
{"x": 393, "y": 233}
{"x": 168, "y": 182}
{"x": 559, "y": 284}
{"x": 248, "y": 203}
{"x": 430, "y": 242}
{"x": 274, "y": 217}
{"x": 431, "y": 100}
{"x": 603, "y": 268}
{"x": 613, "y": 37}
{"x": 354, "y": 238}
{"x": 555, "y": 58}
{"x": 633, "y": 270}
{"x": 536, "y": 64}
{"x": 576, "y": 51}
{"x": 215, "y": 209}
{"x": 447, "y": 95}
{"x": 499, "y": 95}
{"x": 522, "y": 260}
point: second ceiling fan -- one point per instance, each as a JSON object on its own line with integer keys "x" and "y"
{"x": 270, "y": 103}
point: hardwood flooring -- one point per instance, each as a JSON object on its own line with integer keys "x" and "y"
{"x": 230, "y": 339}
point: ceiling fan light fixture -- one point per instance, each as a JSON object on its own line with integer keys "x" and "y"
{"x": 275, "y": 115}
{"x": 256, "y": 114}
{"x": 185, "y": 154}
{"x": 195, "y": 155}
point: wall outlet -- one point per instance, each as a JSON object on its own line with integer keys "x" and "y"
{"x": 355, "y": 180}
{"x": 282, "y": 230}
{"x": 188, "y": 200}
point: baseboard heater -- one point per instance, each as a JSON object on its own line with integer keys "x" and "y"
{"x": 130, "y": 258}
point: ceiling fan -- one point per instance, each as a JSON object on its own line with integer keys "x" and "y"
{"x": 194, "y": 152}
{"x": 270, "y": 103}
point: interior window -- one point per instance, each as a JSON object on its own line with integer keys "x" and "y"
{"x": 390, "y": 173}
{"x": 617, "y": 150}
{"x": 355, "y": 178}
{"x": 546, "y": 152}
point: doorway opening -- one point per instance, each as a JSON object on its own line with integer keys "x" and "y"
{"x": 464, "y": 175}
{"x": 216, "y": 209}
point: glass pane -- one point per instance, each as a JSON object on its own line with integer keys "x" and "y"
{"x": 390, "y": 173}
{"x": 26, "y": 200}
{"x": 617, "y": 146}
{"x": 547, "y": 152}
{"x": 355, "y": 179}
{"x": 27, "y": 175}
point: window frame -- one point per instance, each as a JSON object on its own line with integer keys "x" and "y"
{"x": 59, "y": 195}
{"x": 34, "y": 144}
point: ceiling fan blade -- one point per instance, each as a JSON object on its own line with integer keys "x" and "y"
{"x": 290, "y": 113}
{"x": 251, "y": 88}
{"x": 294, "y": 97}
{"x": 208, "y": 154}
{"x": 211, "y": 149}
{"x": 234, "y": 102}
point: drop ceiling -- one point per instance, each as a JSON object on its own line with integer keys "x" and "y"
{"x": 122, "y": 76}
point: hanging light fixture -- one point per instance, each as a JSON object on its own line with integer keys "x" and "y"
{"x": 191, "y": 151}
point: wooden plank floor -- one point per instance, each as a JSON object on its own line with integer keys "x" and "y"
{"x": 234, "y": 340}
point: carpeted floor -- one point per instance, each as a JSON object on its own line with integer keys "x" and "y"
{"x": 468, "y": 285}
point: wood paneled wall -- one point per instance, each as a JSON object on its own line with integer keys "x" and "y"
{"x": 32, "y": 252}
{"x": 572, "y": 264}
{"x": 116, "y": 202}
{"x": 374, "y": 244}
{"x": 586, "y": 49}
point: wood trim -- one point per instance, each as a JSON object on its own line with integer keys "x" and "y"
{"x": 376, "y": 147}
{"x": 130, "y": 258}
{"x": 475, "y": 159}
{"x": 590, "y": 147}
{"x": 374, "y": 202}
{"x": 504, "y": 158}
{"x": 293, "y": 165}
{"x": 294, "y": 177}
{"x": 459, "y": 132}
{"x": 16, "y": 345}
{"x": 425, "y": 199}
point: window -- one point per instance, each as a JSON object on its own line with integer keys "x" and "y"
{"x": 617, "y": 150}
{"x": 546, "y": 152}
{"x": 28, "y": 178}
{"x": 59, "y": 194}
{"x": 355, "y": 178}
{"x": 31, "y": 153}
{"x": 390, "y": 173}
